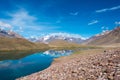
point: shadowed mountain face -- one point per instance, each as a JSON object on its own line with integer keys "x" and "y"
{"x": 110, "y": 37}
{"x": 9, "y": 34}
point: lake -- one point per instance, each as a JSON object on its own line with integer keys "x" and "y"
{"x": 17, "y": 64}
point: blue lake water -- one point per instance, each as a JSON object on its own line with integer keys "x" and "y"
{"x": 14, "y": 65}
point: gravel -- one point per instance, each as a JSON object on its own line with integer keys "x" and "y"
{"x": 103, "y": 66}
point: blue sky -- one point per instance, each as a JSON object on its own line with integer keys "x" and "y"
{"x": 39, "y": 17}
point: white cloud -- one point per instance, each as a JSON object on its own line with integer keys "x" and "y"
{"x": 74, "y": 14}
{"x": 93, "y": 22}
{"x": 4, "y": 25}
{"x": 114, "y": 8}
{"x": 102, "y": 10}
{"x": 22, "y": 20}
{"x": 117, "y": 22}
{"x": 104, "y": 28}
{"x": 63, "y": 34}
{"x": 108, "y": 9}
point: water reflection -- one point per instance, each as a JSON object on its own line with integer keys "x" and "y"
{"x": 14, "y": 55}
{"x": 11, "y": 69}
{"x": 16, "y": 64}
{"x": 55, "y": 53}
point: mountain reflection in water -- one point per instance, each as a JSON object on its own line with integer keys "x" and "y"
{"x": 17, "y": 64}
{"x": 56, "y": 54}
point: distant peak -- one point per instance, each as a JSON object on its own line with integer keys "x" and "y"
{"x": 117, "y": 28}
{"x": 59, "y": 36}
{"x": 9, "y": 33}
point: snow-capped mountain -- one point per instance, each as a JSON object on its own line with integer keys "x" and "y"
{"x": 9, "y": 33}
{"x": 6, "y": 31}
{"x": 59, "y": 36}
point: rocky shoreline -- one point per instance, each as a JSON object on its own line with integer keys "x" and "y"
{"x": 98, "y": 66}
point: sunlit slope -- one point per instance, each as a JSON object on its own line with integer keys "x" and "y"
{"x": 62, "y": 43}
{"x": 112, "y": 37}
{"x": 18, "y": 44}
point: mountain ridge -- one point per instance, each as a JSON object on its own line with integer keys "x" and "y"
{"x": 73, "y": 38}
{"x": 9, "y": 34}
{"x": 10, "y": 40}
{"x": 110, "y": 37}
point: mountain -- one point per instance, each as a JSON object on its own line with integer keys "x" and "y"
{"x": 108, "y": 37}
{"x": 62, "y": 43}
{"x": 10, "y": 40}
{"x": 59, "y": 36}
{"x": 9, "y": 34}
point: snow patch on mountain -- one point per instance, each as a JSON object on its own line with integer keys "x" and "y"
{"x": 6, "y": 31}
{"x": 103, "y": 33}
{"x": 59, "y": 36}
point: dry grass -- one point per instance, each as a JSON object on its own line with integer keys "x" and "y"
{"x": 62, "y": 43}
{"x": 107, "y": 39}
{"x": 7, "y": 44}
{"x": 80, "y": 53}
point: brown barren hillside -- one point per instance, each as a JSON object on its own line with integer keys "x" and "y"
{"x": 110, "y": 38}
{"x": 18, "y": 44}
{"x": 62, "y": 43}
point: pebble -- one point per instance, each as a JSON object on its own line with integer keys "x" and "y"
{"x": 104, "y": 66}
